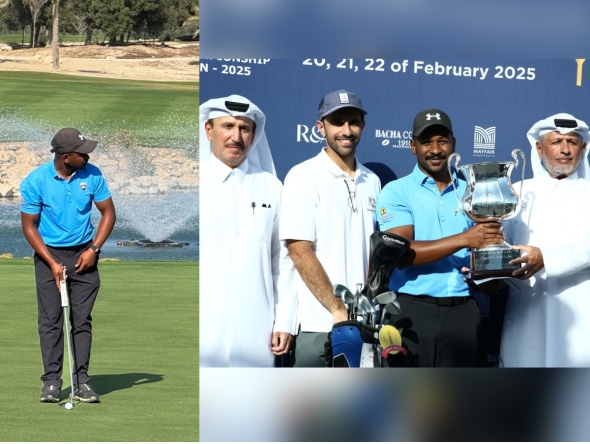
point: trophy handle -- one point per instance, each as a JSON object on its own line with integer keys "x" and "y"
{"x": 515, "y": 157}
{"x": 456, "y": 156}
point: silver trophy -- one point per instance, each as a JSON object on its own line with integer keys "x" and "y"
{"x": 489, "y": 195}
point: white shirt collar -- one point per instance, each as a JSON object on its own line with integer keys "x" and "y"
{"x": 221, "y": 172}
{"x": 335, "y": 169}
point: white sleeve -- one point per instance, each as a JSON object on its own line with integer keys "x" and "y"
{"x": 572, "y": 256}
{"x": 298, "y": 207}
{"x": 285, "y": 294}
{"x": 565, "y": 260}
{"x": 284, "y": 283}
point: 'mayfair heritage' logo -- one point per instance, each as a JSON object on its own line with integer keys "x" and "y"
{"x": 484, "y": 141}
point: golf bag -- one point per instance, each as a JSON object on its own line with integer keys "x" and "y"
{"x": 352, "y": 343}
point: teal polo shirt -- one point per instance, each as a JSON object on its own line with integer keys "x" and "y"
{"x": 415, "y": 200}
{"x": 63, "y": 205}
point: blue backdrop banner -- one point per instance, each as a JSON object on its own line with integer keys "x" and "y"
{"x": 492, "y": 103}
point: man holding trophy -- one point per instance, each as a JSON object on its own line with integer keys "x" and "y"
{"x": 439, "y": 318}
{"x": 547, "y": 322}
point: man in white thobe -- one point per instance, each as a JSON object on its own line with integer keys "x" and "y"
{"x": 547, "y": 321}
{"x": 247, "y": 308}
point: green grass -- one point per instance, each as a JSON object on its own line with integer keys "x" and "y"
{"x": 159, "y": 114}
{"x": 66, "y": 38}
{"x": 144, "y": 362}
{"x": 10, "y": 39}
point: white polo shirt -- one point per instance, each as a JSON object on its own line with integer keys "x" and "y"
{"x": 316, "y": 207}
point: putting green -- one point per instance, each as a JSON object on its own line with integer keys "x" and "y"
{"x": 144, "y": 361}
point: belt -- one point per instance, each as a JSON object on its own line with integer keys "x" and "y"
{"x": 441, "y": 302}
{"x": 79, "y": 247}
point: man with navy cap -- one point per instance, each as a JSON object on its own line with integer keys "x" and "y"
{"x": 327, "y": 218}
{"x": 547, "y": 321}
{"x": 247, "y": 308}
{"x": 439, "y": 318}
{"x": 55, "y": 214}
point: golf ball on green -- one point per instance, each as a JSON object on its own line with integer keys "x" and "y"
{"x": 69, "y": 406}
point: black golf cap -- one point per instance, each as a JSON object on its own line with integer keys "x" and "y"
{"x": 339, "y": 99}
{"x": 69, "y": 140}
{"x": 430, "y": 117}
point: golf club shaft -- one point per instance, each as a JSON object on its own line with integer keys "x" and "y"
{"x": 65, "y": 302}
{"x": 70, "y": 355}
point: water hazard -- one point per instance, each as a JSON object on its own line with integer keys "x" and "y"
{"x": 155, "y": 192}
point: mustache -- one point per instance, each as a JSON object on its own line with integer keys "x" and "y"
{"x": 564, "y": 157}
{"x": 436, "y": 157}
{"x": 235, "y": 145}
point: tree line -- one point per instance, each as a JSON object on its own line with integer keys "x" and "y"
{"x": 118, "y": 20}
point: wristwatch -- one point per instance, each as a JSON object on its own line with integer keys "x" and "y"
{"x": 94, "y": 248}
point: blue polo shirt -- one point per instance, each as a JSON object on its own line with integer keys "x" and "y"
{"x": 63, "y": 205}
{"x": 415, "y": 200}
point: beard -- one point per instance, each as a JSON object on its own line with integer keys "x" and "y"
{"x": 556, "y": 170}
{"x": 340, "y": 150}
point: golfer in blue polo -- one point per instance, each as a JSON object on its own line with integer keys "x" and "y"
{"x": 57, "y": 199}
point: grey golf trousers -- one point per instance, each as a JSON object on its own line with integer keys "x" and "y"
{"x": 83, "y": 289}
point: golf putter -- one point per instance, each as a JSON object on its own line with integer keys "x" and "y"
{"x": 65, "y": 303}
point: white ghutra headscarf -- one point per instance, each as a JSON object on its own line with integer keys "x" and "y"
{"x": 259, "y": 153}
{"x": 564, "y": 123}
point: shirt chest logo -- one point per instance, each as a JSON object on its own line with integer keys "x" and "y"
{"x": 372, "y": 204}
{"x": 83, "y": 186}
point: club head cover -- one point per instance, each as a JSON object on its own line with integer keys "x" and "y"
{"x": 391, "y": 341}
{"x": 386, "y": 250}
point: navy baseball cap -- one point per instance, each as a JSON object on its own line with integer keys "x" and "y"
{"x": 430, "y": 117}
{"x": 339, "y": 99}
